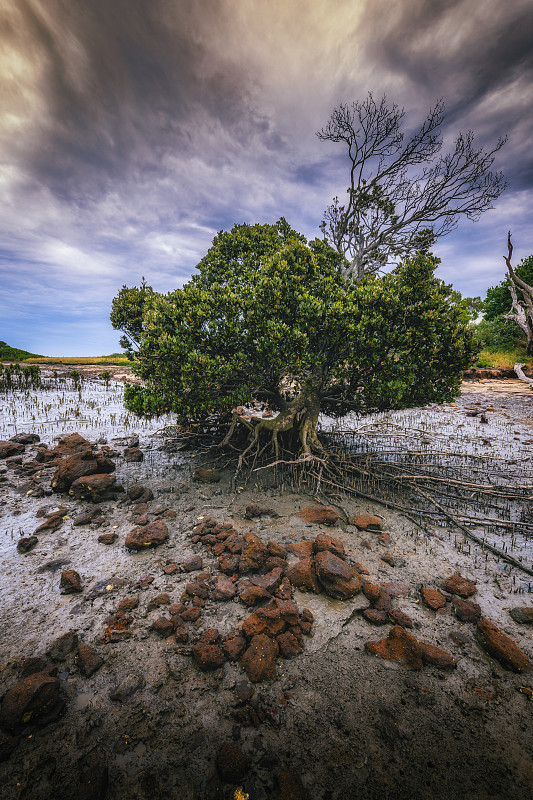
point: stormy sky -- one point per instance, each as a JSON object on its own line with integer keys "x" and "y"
{"x": 132, "y": 130}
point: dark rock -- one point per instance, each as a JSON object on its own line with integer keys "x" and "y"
{"x": 10, "y": 448}
{"x": 306, "y": 620}
{"x": 319, "y": 515}
{"x": 224, "y": 589}
{"x": 232, "y": 764}
{"x": 466, "y": 610}
{"x": 27, "y": 543}
{"x": 243, "y": 692}
{"x": 86, "y": 517}
{"x": 53, "y": 521}
{"x": 158, "y": 600}
{"x": 270, "y": 581}
{"x": 70, "y": 582}
{"x": 77, "y": 466}
{"x": 388, "y": 558}
{"x": 375, "y": 617}
{"x": 501, "y": 647}
{"x": 455, "y": 584}
{"x": 229, "y": 564}
{"x": 284, "y": 590}
{"x": 88, "y": 660}
{"x": 139, "y": 492}
{"x": 25, "y": 438}
{"x": 303, "y": 576}
{"x": 234, "y": 646}
{"x": 206, "y": 475}
{"x": 194, "y": 563}
{"x": 366, "y": 522}
{"x": 130, "y": 685}
{"x": 254, "y": 510}
{"x": 140, "y": 519}
{"x": 198, "y": 589}
{"x": 289, "y": 645}
{"x": 432, "y": 598}
{"x": 523, "y": 615}
{"x": 151, "y": 535}
{"x": 338, "y": 579}
{"x": 324, "y": 542}
{"x": 108, "y": 538}
{"x": 163, "y": 627}
{"x": 400, "y": 647}
{"x": 208, "y": 656}
{"x": 191, "y": 614}
{"x": 275, "y": 549}
{"x": 36, "y": 664}
{"x": 104, "y": 587}
{"x": 259, "y": 660}
{"x": 62, "y": 647}
{"x": 436, "y": 657}
{"x": 33, "y": 698}
{"x": 133, "y": 455}
{"x": 399, "y": 617}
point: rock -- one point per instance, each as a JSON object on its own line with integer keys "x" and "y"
{"x": 286, "y": 608}
{"x": 501, "y": 647}
{"x": 206, "y": 475}
{"x": 157, "y": 601}
{"x": 399, "y": 617}
{"x": 371, "y": 591}
{"x": 338, "y": 579}
{"x": 291, "y": 787}
{"x": 395, "y": 589}
{"x": 303, "y": 576}
{"x": 53, "y": 521}
{"x": 133, "y": 455}
{"x": 77, "y": 466}
{"x": 324, "y": 542}
{"x": 191, "y": 614}
{"x": 107, "y": 538}
{"x": 232, "y": 764}
{"x": 128, "y": 604}
{"x": 277, "y": 550}
{"x": 229, "y": 564}
{"x": 455, "y": 584}
{"x": 32, "y": 699}
{"x": 62, "y": 647}
{"x": 252, "y": 595}
{"x": 163, "y": 627}
{"x": 234, "y": 646}
{"x": 523, "y": 615}
{"x": 301, "y": 549}
{"x": 284, "y": 590}
{"x": 375, "y": 617}
{"x": 92, "y": 487}
{"x": 151, "y": 535}
{"x": 70, "y": 582}
{"x": 73, "y": 443}
{"x": 388, "y": 558}
{"x": 384, "y": 539}
{"x": 86, "y": 517}
{"x": 253, "y": 554}
{"x": 259, "y": 660}
{"x": 265, "y": 622}
{"x": 399, "y": 646}
{"x": 208, "y": 656}
{"x": 319, "y": 515}
{"x": 432, "y": 598}
{"x": 383, "y": 603}
{"x": 466, "y": 610}
{"x": 243, "y": 692}
{"x": 10, "y": 448}
{"x": 224, "y": 589}
{"x": 88, "y": 660}
{"x": 27, "y": 543}
{"x": 25, "y": 438}
{"x": 270, "y": 581}
{"x": 366, "y": 522}
{"x": 130, "y": 685}
{"x": 198, "y": 589}
{"x": 305, "y": 621}
{"x": 289, "y": 645}
{"x": 436, "y": 657}
{"x": 140, "y": 493}
{"x": 254, "y": 510}
{"x": 194, "y": 563}
{"x": 36, "y": 664}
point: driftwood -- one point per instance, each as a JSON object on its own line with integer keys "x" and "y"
{"x": 518, "y": 368}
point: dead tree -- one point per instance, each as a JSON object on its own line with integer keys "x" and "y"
{"x": 522, "y": 294}
{"x": 402, "y": 195}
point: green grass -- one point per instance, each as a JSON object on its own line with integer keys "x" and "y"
{"x": 118, "y": 360}
{"x": 503, "y": 359}
{"x": 8, "y": 353}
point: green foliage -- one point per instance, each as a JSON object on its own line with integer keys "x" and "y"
{"x": 8, "y": 353}
{"x": 127, "y": 315}
{"x": 499, "y": 300}
{"x": 13, "y": 376}
{"x": 270, "y": 315}
{"x": 498, "y": 334}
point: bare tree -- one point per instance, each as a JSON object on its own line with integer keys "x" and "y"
{"x": 394, "y": 209}
{"x": 522, "y": 293}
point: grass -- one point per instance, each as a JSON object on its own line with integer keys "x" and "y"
{"x": 119, "y": 360}
{"x": 8, "y": 353}
{"x": 503, "y": 359}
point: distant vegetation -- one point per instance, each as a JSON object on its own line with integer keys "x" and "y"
{"x": 115, "y": 358}
{"x": 8, "y": 353}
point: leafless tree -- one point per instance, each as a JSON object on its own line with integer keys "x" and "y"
{"x": 522, "y": 293}
{"x": 403, "y": 195}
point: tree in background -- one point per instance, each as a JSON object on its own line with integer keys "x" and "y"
{"x": 402, "y": 195}
{"x": 270, "y": 316}
{"x": 521, "y": 311}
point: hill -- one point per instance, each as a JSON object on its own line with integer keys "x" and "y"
{"x": 8, "y": 353}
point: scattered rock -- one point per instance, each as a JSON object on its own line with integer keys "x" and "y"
{"x": 523, "y": 615}
{"x": 338, "y": 579}
{"x": 130, "y": 685}
{"x": 270, "y": 580}
{"x": 151, "y": 535}
{"x": 140, "y": 493}
{"x": 73, "y": 443}
{"x": 133, "y": 455}
{"x": 224, "y": 589}
{"x": 301, "y": 549}
{"x": 70, "y": 582}
{"x": 432, "y": 598}
{"x": 399, "y": 646}
{"x": 107, "y": 538}
{"x": 208, "y": 656}
{"x": 62, "y": 647}
{"x": 455, "y": 584}
{"x": 53, "y": 521}
{"x": 395, "y": 589}
{"x": 501, "y": 647}
{"x": 375, "y": 617}
{"x": 324, "y": 542}
{"x": 371, "y": 591}
{"x": 92, "y": 487}
{"x": 254, "y": 553}
{"x": 466, "y": 610}
{"x": 86, "y": 517}
{"x": 319, "y": 515}
{"x": 234, "y": 645}
{"x": 88, "y": 660}
{"x": 399, "y": 617}
{"x": 254, "y": 510}
{"x": 192, "y": 564}
{"x": 206, "y": 475}
{"x": 388, "y": 558}
{"x": 251, "y": 595}
{"x": 27, "y": 543}
{"x": 157, "y": 601}
{"x": 77, "y": 466}
{"x": 303, "y": 576}
{"x": 33, "y": 698}
{"x": 232, "y": 764}
{"x": 36, "y": 664}
{"x": 436, "y": 657}
{"x": 366, "y": 522}
{"x": 163, "y": 626}
{"x": 259, "y": 660}
{"x": 25, "y": 438}
{"x": 10, "y": 448}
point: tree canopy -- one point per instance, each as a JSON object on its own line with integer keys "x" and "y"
{"x": 499, "y": 300}
{"x": 270, "y": 316}
{"x": 402, "y": 194}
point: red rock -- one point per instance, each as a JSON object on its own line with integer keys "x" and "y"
{"x": 395, "y": 589}
{"x": 234, "y": 646}
{"x": 287, "y": 610}
{"x": 208, "y": 656}
{"x": 158, "y": 600}
{"x": 259, "y": 660}
{"x": 92, "y": 487}
{"x": 191, "y": 614}
{"x": 73, "y": 443}
{"x": 254, "y": 510}
{"x": 138, "y": 491}
{"x": 284, "y": 590}
{"x": 235, "y": 543}
{"x": 270, "y": 581}
{"x": 432, "y": 598}
{"x": 384, "y": 539}
{"x": 466, "y": 610}
{"x": 399, "y": 646}
{"x": 163, "y": 626}
{"x": 338, "y": 579}
{"x": 371, "y": 591}
{"x": 128, "y": 604}
{"x": 436, "y": 657}
{"x": 324, "y": 542}
{"x": 206, "y": 475}
{"x": 107, "y": 538}
{"x": 361, "y": 569}
{"x": 169, "y": 514}
{"x": 232, "y": 764}
{"x": 140, "y": 519}
{"x": 228, "y": 564}
{"x": 252, "y": 595}
{"x": 303, "y": 576}
{"x": 273, "y": 562}
{"x": 289, "y": 645}
{"x": 70, "y": 582}
{"x": 399, "y": 617}
{"x": 501, "y": 647}
{"x": 455, "y": 584}
{"x": 198, "y": 588}
{"x": 77, "y": 466}
{"x": 291, "y": 787}
{"x": 383, "y": 603}
{"x": 301, "y": 549}
{"x": 53, "y": 521}
{"x": 305, "y": 621}
{"x": 319, "y": 515}
{"x": 133, "y": 455}
{"x": 375, "y": 617}
{"x": 254, "y": 553}
{"x": 224, "y": 589}
{"x": 275, "y": 549}
{"x": 150, "y": 535}
{"x": 366, "y": 522}
{"x": 263, "y": 622}
{"x": 88, "y": 660}
{"x": 32, "y": 698}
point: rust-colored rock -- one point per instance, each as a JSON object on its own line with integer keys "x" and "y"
{"x": 303, "y": 576}
{"x": 224, "y": 589}
{"x": 73, "y": 443}
{"x": 70, "y": 582}
{"x": 466, "y": 610}
{"x": 270, "y": 581}
{"x": 263, "y": 621}
{"x": 284, "y": 590}
{"x": 400, "y": 646}
{"x": 259, "y": 660}
{"x": 275, "y": 549}
{"x": 108, "y": 538}
{"x": 253, "y": 553}
{"x": 191, "y": 614}
{"x": 336, "y": 576}
{"x": 232, "y": 764}
{"x": 289, "y": 645}
{"x": 305, "y": 622}
{"x": 436, "y": 657}
{"x": 324, "y": 542}
{"x": 371, "y": 591}
{"x": 88, "y": 660}
{"x": 72, "y": 467}
{"x": 375, "y": 617}
{"x": 319, "y": 515}
{"x": 206, "y": 475}
{"x": 163, "y": 626}
{"x": 501, "y": 647}
{"x": 208, "y": 656}
{"x": 32, "y": 698}
{"x": 301, "y": 549}
{"x": 92, "y": 487}
{"x": 383, "y": 603}
{"x": 193, "y": 564}
{"x": 253, "y": 595}
{"x": 399, "y": 617}
{"x": 10, "y": 448}
{"x": 151, "y": 535}
{"x": 254, "y": 510}
{"x": 366, "y": 522}
{"x": 455, "y": 584}
{"x": 432, "y": 598}
{"x": 158, "y": 600}
{"x": 133, "y": 455}
{"x": 234, "y": 646}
